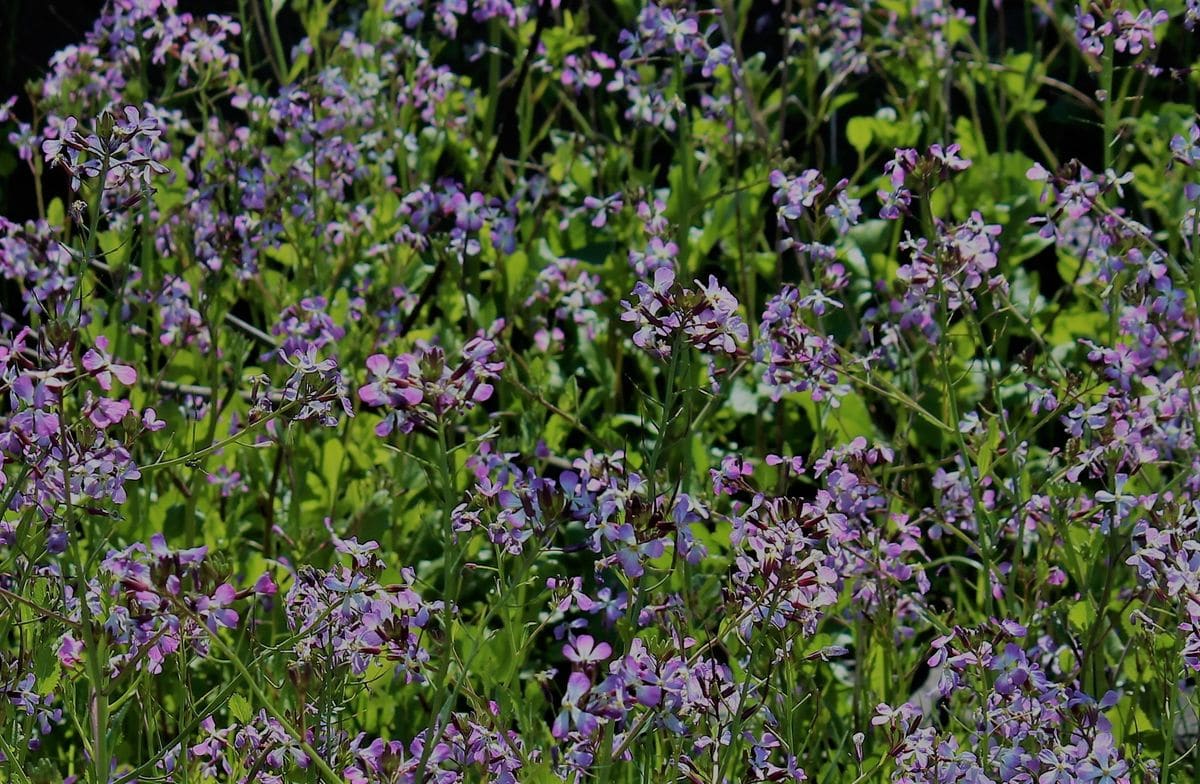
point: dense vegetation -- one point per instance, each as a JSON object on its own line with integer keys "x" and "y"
{"x": 535, "y": 391}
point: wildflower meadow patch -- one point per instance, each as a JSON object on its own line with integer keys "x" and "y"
{"x": 402, "y": 391}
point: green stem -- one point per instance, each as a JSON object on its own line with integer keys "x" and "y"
{"x": 449, "y": 596}
{"x": 327, "y": 773}
{"x": 1110, "y": 117}
{"x": 1110, "y": 122}
{"x": 94, "y": 648}
{"x": 208, "y": 450}
{"x": 664, "y": 418}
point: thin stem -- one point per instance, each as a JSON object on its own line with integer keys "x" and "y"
{"x": 449, "y": 592}
{"x": 327, "y": 773}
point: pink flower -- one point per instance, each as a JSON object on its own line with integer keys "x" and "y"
{"x": 391, "y": 381}
{"x": 151, "y": 422}
{"x": 98, "y": 363}
{"x": 585, "y": 650}
{"x": 107, "y": 413}
{"x": 265, "y": 586}
{"x": 70, "y": 651}
{"x": 215, "y": 609}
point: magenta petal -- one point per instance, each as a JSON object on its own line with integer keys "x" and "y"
{"x": 265, "y": 586}
{"x": 561, "y": 725}
{"x": 92, "y": 360}
{"x": 125, "y": 374}
{"x": 587, "y": 724}
{"x": 378, "y": 364}
{"x": 108, "y": 412}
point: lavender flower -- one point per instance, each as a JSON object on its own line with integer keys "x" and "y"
{"x": 422, "y": 389}
{"x": 705, "y": 318}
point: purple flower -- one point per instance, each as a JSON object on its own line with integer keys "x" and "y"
{"x": 705, "y": 317}
{"x": 798, "y": 357}
{"x": 1136, "y": 33}
{"x": 70, "y": 651}
{"x": 573, "y": 712}
{"x": 1089, "y": 34}
{"x": 1104, "y": 765}
{"x": 585, "y": 650}
{"x": 795, "y": 195}
{"x": 215, "y": 609}
{"x": 100, "y": 365}
{"x": 602, "y": 207}
{"x": 422, "y": 388}
{"x": 468, "y": 210}
{"x": 391, "y": 383}
{"x": 732, "y": 476}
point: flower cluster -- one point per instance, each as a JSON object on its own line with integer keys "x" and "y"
{"x": 512, "y": 506}
{"x": 151, "y": 602}
{"x": 954, "y": 266}
{"x": 571, "y": 295}
{"x": 1128, "y": 32}
{"x": 118, "y": 149}
{"x": 1028, "y": 726}
{"x": 527, "y": 393}
{"x": 667, "y": 315}
{"x": 423, "y": 390}
{"x": 805, "y": 197}
{"x": 37, "y": 711}
{"x": 343, "y": 617}
{"x": 798, "y": 357}
{"x": 908, "y": 170}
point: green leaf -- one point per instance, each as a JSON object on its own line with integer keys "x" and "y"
{"x": 331, "y": 462}
{"x": 859, "y": 132}
{"x": 56, "y": 214}
{"x": 239, "y": 708}
{"x": 47, "y": 684}
{"x": 987, "y": 451}
{"x": 1082, "y": 616}
{"x": 285, "y": 254}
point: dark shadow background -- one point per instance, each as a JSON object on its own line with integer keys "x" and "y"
{"x": 31, "y": 31}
